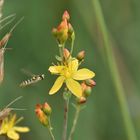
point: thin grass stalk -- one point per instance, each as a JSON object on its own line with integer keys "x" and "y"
{"x": 1, "y": 6}
{"x": 129, "y": 128}
{"x": 66, "y": 109}
{"x": 77, "y": 113}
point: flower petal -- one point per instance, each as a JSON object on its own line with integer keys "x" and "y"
{"x": 83, "y": 74}
{"x": 74, "y": 87}
{"x": 12, "y": 134}
{"x": 57, "y": 85}
{"x": 73, "y": 65}
{"x": 56, "y": 69}
{"x": 21, "y": 129}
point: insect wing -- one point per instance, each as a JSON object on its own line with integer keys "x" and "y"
{"x": 1, "y": 65}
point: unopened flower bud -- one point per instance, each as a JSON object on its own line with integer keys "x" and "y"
{"x": 66, "y": 16}
{"x": 66, "y": 53}
{"x": 83, "y": 85}
{"x": 90, "y": 82}
{"x": 81, "y": 55}
{"x": 66, "y": 95}
{"x": 54, "y": 32}
{"x": 47, "y": 109}
{"x": 41, "y": 115}
{"x": 82, "y": 100}
{"x": 62, "y": 32}
{"x": 87, "y": 91}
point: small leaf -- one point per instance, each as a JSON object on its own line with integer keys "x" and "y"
{"x": 83, "y": 107}
{"x": 58, "y": 58}
{"x": 74, "y": 105}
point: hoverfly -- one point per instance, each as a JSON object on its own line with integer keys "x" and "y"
{"x": 33, "y": 80}
{"x": 6, "y": 111}
{"x": 3, "y": 44}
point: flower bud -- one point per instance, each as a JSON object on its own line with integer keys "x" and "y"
{"x": 90, "y": 82}
{"x": 66, "y": 16}
{"x": 82, "y": 100}
{"x": 87, "y": 91}
{"x": 66, "y": 53}
{"x": 81, "y": 55}
{"x": 83, "y": 85}
{"x": 54, "y": 32}
{"x": 41, "y": 115}
{"x": 62, "y": 32}
{"x": 66, "y": 95}
{"x": 47, "y": 109}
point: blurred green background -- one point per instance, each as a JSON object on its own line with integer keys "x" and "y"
{"x": 34, "y": 49}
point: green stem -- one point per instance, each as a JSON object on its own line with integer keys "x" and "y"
{"x": 129, "y": 128}
{"x": 74, "y": 122}
{"x": 50, "y": 129}
{"x": 66, "y": 108}
{"x": 61, "y": 48}
{"x": 72, "y": 46}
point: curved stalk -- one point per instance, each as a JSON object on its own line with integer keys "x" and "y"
{"x": 50, "y": 130}
{"x": 129, "y": 128}
{"x": 74, "y": 122}
{"x": 66, "y": 108}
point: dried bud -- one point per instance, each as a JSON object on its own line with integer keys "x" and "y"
{"x": 66, "y": 53}
{"x": 90, "y": 82}
{"x": 81, "y": 55}
{"x": 87, "y": 91}
{"x": 47, "y": 109}
{"x": 66, "y": 16}
{"x": 82, "y": 100}
{"x": 41, "y": 115}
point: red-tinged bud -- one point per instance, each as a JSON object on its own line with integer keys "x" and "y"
{"x": 61, "y": 33}
{"x": 41, "y": 115}
{"x": 66, "y": 53}
{"x": 81, "y": 55}
{"x": 83, "y": 85}
{"x": 90, "y": 82}
{"x": 87, "y": 91}
{"x": 5, "y": 39}
{"x": 47, "y": 109}
{"x": 82, "y": 100}
{"x": 62, "y": 26}
{"x": 54, "y": 32}
{"x": 66, "y": 16}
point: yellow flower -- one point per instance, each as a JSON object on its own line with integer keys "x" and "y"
{"x": 10, "y": 129}
{"x": 68, "y": 74}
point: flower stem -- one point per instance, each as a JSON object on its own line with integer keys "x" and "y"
{"x": 129, "y": 128}
{"x": 72, "y": 46}
{"x": 61, "y": 48}
{"x": 78, "y": 109}
{"x": 50, "y": 129}
{"x": 66, "y": 108}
